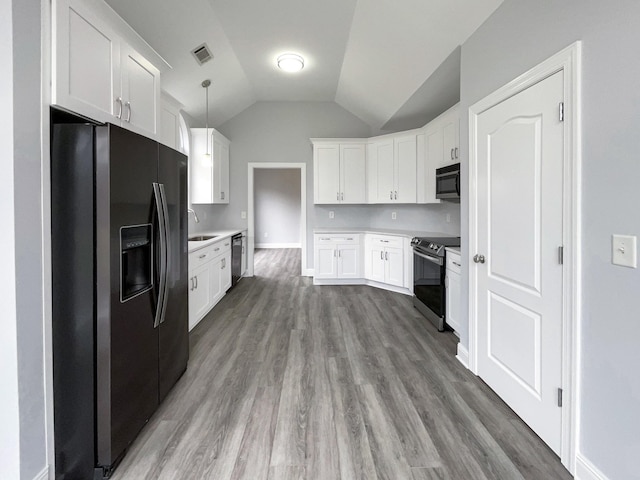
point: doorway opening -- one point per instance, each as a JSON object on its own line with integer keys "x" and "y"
{"x": 276, "y": 209}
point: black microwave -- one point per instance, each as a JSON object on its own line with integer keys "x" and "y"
{"x": 448, "y": 182}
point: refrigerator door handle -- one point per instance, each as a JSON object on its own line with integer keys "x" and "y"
{"x": 157, "y": 194}
{"x": 167, "y": 246}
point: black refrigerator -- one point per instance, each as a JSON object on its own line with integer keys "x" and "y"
{"x": 119, "y": 288}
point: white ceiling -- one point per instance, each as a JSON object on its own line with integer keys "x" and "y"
{"x": 369, "y": 56}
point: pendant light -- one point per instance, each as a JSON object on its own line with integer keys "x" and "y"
{"x": 206, "y": 84}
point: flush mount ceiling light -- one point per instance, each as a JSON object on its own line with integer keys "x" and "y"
{"x": 290, "y": 62}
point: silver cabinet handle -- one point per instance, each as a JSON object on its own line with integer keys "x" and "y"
{"x": 386, "y": 255}
{"x": 457, "y": 152}
{"x": 216, "y": 249}
{"x": 119, "y": 102}
{"x": 384, "y": 241}
{"x": 226, "y": 244}
{"x": 349, "y": 238}
{"x": 381, "y": 255}
{"x": 342, "y": 196}
{"x": 452, "y": 153}
{"x": 396, "y": 195}
{"x": 196, "y": 279}
{"x": 325, "y": 239}
{"x": 203, "y": 256}
{"x": 128, "y": 105}
{"x": 338, "y": 196}
{"x": 221, "y": 195}
{"x": 457, "y": 264}
{"x": 191, "y": 280}
{"x": 334, "y": 253}
{"x": 391, "y": 195}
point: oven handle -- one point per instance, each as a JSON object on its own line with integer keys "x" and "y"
{"x": 435, "y": 260}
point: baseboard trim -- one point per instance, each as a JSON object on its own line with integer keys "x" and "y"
{"x": 308, "y": 272}
{"x": 463, "y": 356}
{"x": 361, "y": 281}
{"x": 43, "y": 475}
{"x": 278, "y": 245}
{"x": 585, "y": 470}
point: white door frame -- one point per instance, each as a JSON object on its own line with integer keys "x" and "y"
{"x": 568, "y": 61}
{"x": 303, "y": 210}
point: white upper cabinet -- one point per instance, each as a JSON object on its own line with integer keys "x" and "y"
{"x": 96, "y": 73}
{"x": 339, "y": 172}
{"x": 170, "y": 121}
{"x": 392, "y": 165}
{"x": 209, "y": 167}
{"x": 441, "y": 148}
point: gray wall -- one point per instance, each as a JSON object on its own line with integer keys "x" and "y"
{"x": 29, "y": 234}
{"x": 277, "y": 205}
{"x": 518, "y": 36}
{"x": 280, "y": 132}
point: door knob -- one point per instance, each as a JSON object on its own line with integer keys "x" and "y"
{"x": 478, "y": 258}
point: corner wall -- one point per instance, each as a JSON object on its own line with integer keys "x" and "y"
{"x": 518, "y": 36}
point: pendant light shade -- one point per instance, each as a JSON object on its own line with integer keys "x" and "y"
{"x": 206, "y": 84}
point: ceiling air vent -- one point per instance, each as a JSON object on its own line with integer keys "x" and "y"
{"x": 202, "y": 53}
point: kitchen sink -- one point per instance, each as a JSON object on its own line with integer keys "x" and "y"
{"x": 201, "y": 238}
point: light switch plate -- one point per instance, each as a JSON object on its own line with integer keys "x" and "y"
{"x": 393, "y": 215}
{"x": 243, "y": 215}
{"x": 331, "y": 214}
{"x": 623, "y": 251}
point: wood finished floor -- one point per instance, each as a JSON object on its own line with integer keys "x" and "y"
{"x": 290, "y": 381}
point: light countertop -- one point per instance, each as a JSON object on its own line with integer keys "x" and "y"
{"x": 219, "y": 234}
{"x": 381, "y": 231}
{"x": 453, "y": 249}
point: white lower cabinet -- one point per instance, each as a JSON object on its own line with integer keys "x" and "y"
{"x": 385, "y": 259}
{"x": 209, "y": 278}
{"x": 452, "y": 286}
{"x": 337, "y": 256}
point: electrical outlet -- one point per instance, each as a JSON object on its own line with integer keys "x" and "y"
{"x": 623, "y": 251}
{"x": 393, "y": 215}
{"x": 331, "y": 214}
{"x": 448, "y": 218}
{"x": 266, "y": 234}
{"x": 243, "y": 215}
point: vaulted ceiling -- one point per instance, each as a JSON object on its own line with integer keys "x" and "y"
{"x": 372, "y": 57}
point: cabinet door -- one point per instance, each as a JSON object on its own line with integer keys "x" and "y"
{"x": 217, "y": 280}
{"x": 353, "y": 174}
{"x": 384, "y": 177}
{"x": 243, "y": 263}
{"x": 453, "y": 300}
{"x": 349, "y": 261}
{"x": 224, "y": 173}
{"x": 140, "y": 92}
{"x": 225, "y": 273}
{"x": 325, "y": 261}
{"x": 450, "y": 128}
{"x": 375, "y": 263}
{"x": 326, "y": 169}
{"x": 394, "y": 268}
{"x": 86, "y": 62}
{"x": 200, "y": 299}
{"x": 434, "y": 155}
{"x": 200, "y": 168}
{"x": 168, "y": 127}
{"x": 405, "y": 169}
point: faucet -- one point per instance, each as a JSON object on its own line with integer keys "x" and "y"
{"x": 195, "y": 216}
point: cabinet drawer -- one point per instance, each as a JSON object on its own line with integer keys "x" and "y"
{"x": 385, "y": 241}
{"x": 346, "y": 238}
{"x": 208, "y": 253}
{"x": 454, "y": 262}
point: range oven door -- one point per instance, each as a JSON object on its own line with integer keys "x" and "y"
{"x": 428, "y": 286}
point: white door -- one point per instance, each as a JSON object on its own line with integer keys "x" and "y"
{"x": 384, "y": 171}
{"x": 326, "y": 164}
{"x": 519, "y": 285}
{"x": 349, "y": 261}
{"x": 394, "y": 274}
{"x": 406, "y": 161}
{"x": 140, "y": 92}
{"x": 199, "y": 294}
{"x": 353, "y": 174}
{"x": 325, "y": 261}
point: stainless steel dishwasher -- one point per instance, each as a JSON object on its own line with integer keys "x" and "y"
{"x": 236, "y": 258}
